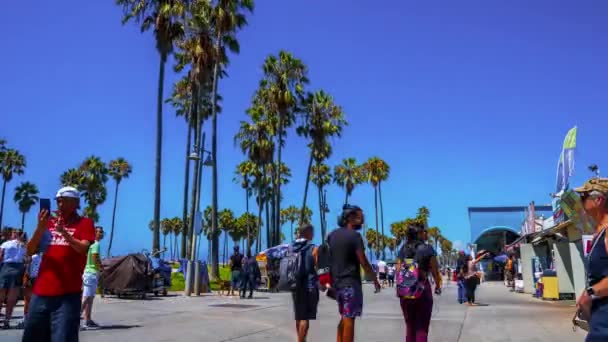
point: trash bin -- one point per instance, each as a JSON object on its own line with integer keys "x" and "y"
{"x": 550, "y": 285}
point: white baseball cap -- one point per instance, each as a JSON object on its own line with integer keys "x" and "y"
{"x": 69, "y": 192}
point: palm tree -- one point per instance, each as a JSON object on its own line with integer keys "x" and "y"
{"x": 118, "y": 169}
{"x": 11, "y": 163}
{"x": 282, "y": 85}
{"x": 181, "y": 101}
{"x": 26, "y": 195}
{"x": 392, "y": 245}
{"x": 166, "y": 227}
{"x": 290, "y": 214}
{"x": 163, "y": 16}
{"x": 323, "y": 120}
{"x": 228, "y": 17}
{"x": 321, "y": 178}
{"x": 249, "y": 225}
{"x": 226, "y": 220}
{"x": 94, "y": 175}
{"x": 284, "y": 176}
{"x": 255, "y": 141}
{"x": 371, "y": 236}
{"x": 423, "y": 215}
{"x": 243, "y": 175}
{"x": 348, "y": 175}
{"x": 435, "y": 234}
{"x": 376, "y": 170}
{"x": 177, "y": 229}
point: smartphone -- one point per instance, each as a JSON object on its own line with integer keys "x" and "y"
{"x": 45, "y": 204}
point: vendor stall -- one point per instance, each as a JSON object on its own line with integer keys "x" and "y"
{"x": 269, "y": 262}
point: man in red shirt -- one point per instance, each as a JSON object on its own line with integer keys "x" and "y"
{"x": 54, "y": 310}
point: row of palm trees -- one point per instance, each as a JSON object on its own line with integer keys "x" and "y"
{"x": 399, "y": 231}
{"x": 199, "y": 33}
{"x": 89, "y": 178}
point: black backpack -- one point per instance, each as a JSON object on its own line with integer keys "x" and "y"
{"x": 292, "y": 269}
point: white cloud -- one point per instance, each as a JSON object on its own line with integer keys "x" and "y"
{"x": 459, "y": 245}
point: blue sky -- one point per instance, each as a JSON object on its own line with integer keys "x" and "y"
{"x": 468, "y": 101}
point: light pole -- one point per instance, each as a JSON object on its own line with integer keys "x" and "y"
{"x": 193, "y": 266}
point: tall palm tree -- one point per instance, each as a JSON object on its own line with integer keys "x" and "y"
{"x": 282, "y": 85}
{"x": 323, "y": 119}
{"x": 321, "y": 177}
{"x": 181, "y": 101}
{"x": 26, "y": 195}
{"x": 284, "y": 176}
{"x": 228, "y": 17}
{"x": 11, "y": 163}
{"x": 243, "y": 175}
{"x": 118, "y": 169}
{"x": 255, "y": 140}
{"x": 348, "y": 175}
{"x": 371, "y": 236}
{"x": 163, "y": 16}
{"x": 376, "y": 170}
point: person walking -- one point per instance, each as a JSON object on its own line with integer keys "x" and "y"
{"x": 471, "y": 277}
{"x": 12, "y": 268}
{"x": 250, "y": 276}
{"x": 90, "y": 280}
{"x": 347, "y": 257}
{"x": 382, "y": 271}
{"x": 306, "y": 294}
{"x": 391, "y": 275}
{"x": 417, "y": 312}
{"x": 236, "y": 267}
{"x": 54, "y": 311}
{"x": 459, "y": 275}
{"x": 593, "y": 302}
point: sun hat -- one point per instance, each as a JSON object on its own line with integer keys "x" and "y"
{"x": 594, "y": 184}
{"x": 68, "y": 192}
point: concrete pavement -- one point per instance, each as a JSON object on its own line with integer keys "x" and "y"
{"x": 506, "y": 316}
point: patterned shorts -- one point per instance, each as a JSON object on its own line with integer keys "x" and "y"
{"x": 350, "y": 301}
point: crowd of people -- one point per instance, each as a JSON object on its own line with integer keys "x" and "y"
{"x": 57, "y": 272}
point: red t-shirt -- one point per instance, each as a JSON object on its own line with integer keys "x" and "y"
{"x": 62, "y": 267}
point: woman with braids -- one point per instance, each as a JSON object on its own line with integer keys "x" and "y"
{"x": 419, "y": 258}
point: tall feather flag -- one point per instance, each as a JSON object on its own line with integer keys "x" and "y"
{"x": 565, "y": 166}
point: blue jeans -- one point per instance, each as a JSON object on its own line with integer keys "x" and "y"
{"x": 53, "y": 319}
{"x": 461, "y": 291}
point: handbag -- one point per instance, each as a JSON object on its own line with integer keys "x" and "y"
{"x": 580, "y": 321}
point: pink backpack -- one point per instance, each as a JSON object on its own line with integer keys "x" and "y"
{"x": 409, "y": 283}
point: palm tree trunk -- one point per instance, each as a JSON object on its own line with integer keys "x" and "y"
{"x": 164, "y": 241}
{"x": 377, "y": 230}
{"x": 277, "y": 203}
{"x": 274, "y": 238}
{"x": 321, "y": 212}
{"x": 225, "y": 246}
{"x": 186, "y": 184}
{"x": 306, "y": 188}
{"x": 215, "y": 268}
{"x": 268, "y": 225}
{"x": 260, "y": 208}
{"x": 381, "y": 218}
{"x": 159, "y": 152}
{"x": 346, "y": 198}
{"x": 23, "y": 221}
{"x": 248, "y": 237}
{"x": 113, "y": 218}
{"x": 291, "y": 232}
{"x": 2, "y": 203}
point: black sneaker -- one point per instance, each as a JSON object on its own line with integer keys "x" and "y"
{"x": 90, "y": 324}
